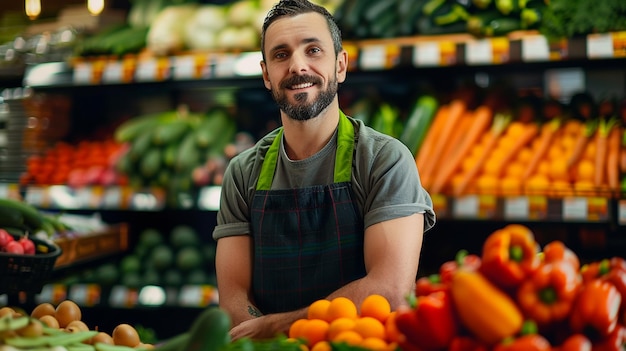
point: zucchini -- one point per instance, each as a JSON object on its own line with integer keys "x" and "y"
{"x": 11, "y": 217}
{"x": 170, "y": 132}
{"x": 33, "y": 219}
{"x": 150, "y": 163}
{"x": 209, "y": 331}
{"x": 418, "y": 122}
{"x": 175, "y": 343}
{"x": 491, "y": 23}
{"x": 457, "y": 13}
{"x": 502, "y": 26}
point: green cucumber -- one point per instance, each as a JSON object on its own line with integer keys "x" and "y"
{"x": 418, "y": 122}
{"x": 209, "y": 331}
{"x": 32, "y": 217}
{"x": 170, "y": 132}
{"x": 175, "y": 343}
{"x": 150, "y": 163}
{"x": 11, "y": 217}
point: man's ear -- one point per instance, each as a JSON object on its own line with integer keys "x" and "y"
{"x": 266, "y": 78}
{"x": 342, "y": 65}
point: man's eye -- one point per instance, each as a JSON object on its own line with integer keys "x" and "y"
{"x": 314, "y": 50}
{"x": 280, "y": 55}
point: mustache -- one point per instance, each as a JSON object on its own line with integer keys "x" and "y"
{"x": 295, "y": 80}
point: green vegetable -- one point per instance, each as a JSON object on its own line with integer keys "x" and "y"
{"x": 569, "y": 18}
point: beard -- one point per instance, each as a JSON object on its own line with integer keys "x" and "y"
{"x": 301, "y": 110}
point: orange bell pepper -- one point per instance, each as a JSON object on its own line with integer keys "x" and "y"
{"x": 595, "y": 310}
{"x": 616, "y": 341}
{"x": 548, "y": 295}
{"x": 613, "y": 270}
{"x": 466, "y": 343}
{"x": 432, "y": 324}
{"x": 484, "y": 309}
{"x": 510, "y": 255}
{"x": 556, "y": 251}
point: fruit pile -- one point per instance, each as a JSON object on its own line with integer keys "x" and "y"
{"x": 50, "y": 327}
{"x": 516, "y": 295}
{"x": 23, "y": 245}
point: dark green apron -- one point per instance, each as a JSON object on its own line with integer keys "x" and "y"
{"x": 308, "y": 241}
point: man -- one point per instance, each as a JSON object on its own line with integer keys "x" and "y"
{"x": 321, "y": 207}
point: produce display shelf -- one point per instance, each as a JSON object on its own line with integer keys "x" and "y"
{"x": 119, "y": 296}
{"x": 365, "y": 55}
{"x": 79, "y": 248}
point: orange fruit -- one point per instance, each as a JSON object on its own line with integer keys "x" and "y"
{"x": 369, "y": 327}
{"x": 376, "y": 306}
{"x": 314, "y": 331}
{"x": 349, "y": 337}
{"x": 322, "y": 346}
{"x": 341, "y": 307}
{"x": 374, "y": 344}
{"x": 295, "y": 329}
{"x": 318, "y": 309}
{"x": 339, "y": 325}
{"x": 585, "y": 170}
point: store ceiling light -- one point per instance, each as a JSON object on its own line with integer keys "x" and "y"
{"x": 95, "y": 7}
{"x": 33, "y": 8}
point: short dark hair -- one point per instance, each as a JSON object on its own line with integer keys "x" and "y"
{"x": 297, "y": 7}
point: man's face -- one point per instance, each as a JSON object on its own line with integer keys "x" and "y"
{"x": 301, "y": 68}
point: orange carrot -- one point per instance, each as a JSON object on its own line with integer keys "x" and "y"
{"x": 612, "y": 159}
{"x": 602, "y": 148}
{"x": 456, "y": 139}
{"x": 548, "y": 133}
{"x": 500, "y": 122}
{"x": 581, "y": 143}
{"x": 455, "y": 112}
{"x": 530, "y": 131}
{"x": 480, "y": 120}
{"x": 424, "y": 154}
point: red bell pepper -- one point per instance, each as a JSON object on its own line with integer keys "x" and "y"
{"x": 430, "y": 284}
{"x": 528, "y": 342}
{"x": 613, "y": 270}
{"x": 509, "y": 256}
{"x": 595, "y": 311}
{"x": 548, "y": 295}
{"x": 575, "y": 342}
{"x": 616, "y": 341}
{"x": 432, "y": 324}
{"x": 556, "y": 251}
{"x": 466, "y": 343}
{"x": 462, "y": 259}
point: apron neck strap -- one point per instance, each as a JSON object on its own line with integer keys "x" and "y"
{"x": 343, "y": 158}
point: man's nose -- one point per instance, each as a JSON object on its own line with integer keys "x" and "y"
{"x": 298, "y": 63}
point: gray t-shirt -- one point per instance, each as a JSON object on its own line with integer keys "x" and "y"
{"x": 385, "y": 180}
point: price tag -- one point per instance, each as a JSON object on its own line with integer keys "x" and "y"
{"x": 621, "y": 212}
{"x": 535, "y": 48}
{"x": 122, "y": 296}
{"x": 84, "y": 197}
{"x": 196, "y": 295}
{"x": 619, "y": 44}
{"x": 112, "y": 197}
{"x": 538, "y": 207}
{"x": 210, "y": 198}
{"x": 427, "y": 54}
{"x": 448, "y": 53}
{"x": 83, "y": 71}
{"x": 353, "y": 56}
{"x": 184, "y": 67}
{"x": 466, "y": 206}
{"x": 575, "y": 208}
{"x": 53, "y": 293}
{"x": 37, "y": 196}
{"x": 487, "y": 206}
{"x": 4, "y": 191}
{"x": 600, "y": 46}
{"x": 113, "y": 72}
{"x": 597, "y": 208}
{"x": 225, "y": 65}
{"x": 516, "y": 208}
{"x": 479, "y": 52}
{"x": 63, "y": 197}
{"x": 373, "y": 57}
{"x": 440, "y": 205}
{"x": 149, "y": 70}
{"x": 85, "y": 294}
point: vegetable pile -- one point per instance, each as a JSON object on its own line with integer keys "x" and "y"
{"x": 516, "y": 295}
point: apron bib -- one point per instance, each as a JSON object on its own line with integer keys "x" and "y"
{"x": 308, "y": 242}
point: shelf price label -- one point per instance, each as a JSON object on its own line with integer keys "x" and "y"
{"x": 475, "y": 206}
{"x": 83, "y": 72}
{"x": 535, "y": 48}
{"x": 190, "y": 67}
{"x": 440, "y": 205}
{"x": 353, "y": 56}
{"x": 122, "y": 296}
{"x": 575, "y": 208}
{"x": 427, "y": 54}
{"x": 209, "y": 198}
{"x": 225, "y": 65}
{"x": 621, "y": 212}
{"x": 478, "y": 52}
{"x": 376, "y": 57}
{"x": 152, "y": 69}
{"x": 600, "y": 46}
{"x": 197, "y": 295}
{"x": 85, "y": 294}
{"x": 619, "y": 44}
{"x": 516, "y": 208}
{"x": 113, "y": 72}
{"x": 9, "y": 191}
{"x": 53, "y": 293}
{"x": 37, "y": 196}
{"x": 112, "y": 197}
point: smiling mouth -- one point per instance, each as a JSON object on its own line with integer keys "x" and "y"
{"x": 301, "y": 86}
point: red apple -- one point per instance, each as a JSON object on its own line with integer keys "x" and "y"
{"x": 28, "y": 245}
{"x": 5, "y": 238}
{"x": 14, "y": 247}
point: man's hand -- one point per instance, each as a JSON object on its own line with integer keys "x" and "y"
{"x": 267, "y": 326}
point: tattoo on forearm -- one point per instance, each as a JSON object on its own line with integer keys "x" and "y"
{"x": 253, "y": 311}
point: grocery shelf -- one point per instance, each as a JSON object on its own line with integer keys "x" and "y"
{"x": 77, "y": 249}
{"x": 366, "y": 55}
